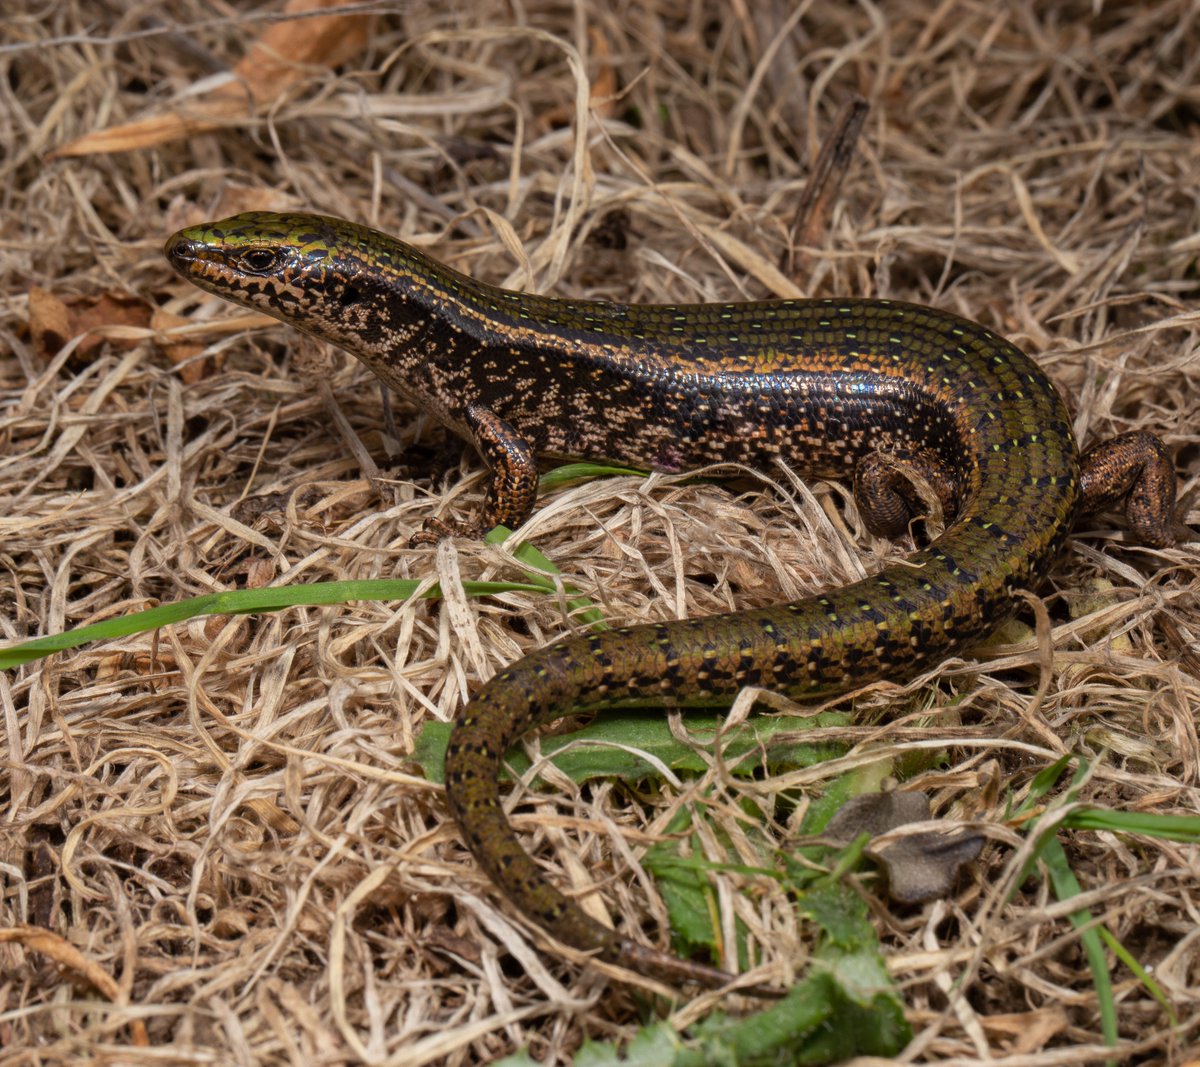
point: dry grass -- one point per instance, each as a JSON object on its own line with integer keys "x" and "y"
{"x": 220, "y": 817}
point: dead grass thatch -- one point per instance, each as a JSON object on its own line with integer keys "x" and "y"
{"x": 214, "y": 830}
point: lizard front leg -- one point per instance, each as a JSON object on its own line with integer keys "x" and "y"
{"x": 512, "y": 484}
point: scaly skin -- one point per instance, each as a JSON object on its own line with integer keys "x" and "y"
{"x": 846, "y": 389}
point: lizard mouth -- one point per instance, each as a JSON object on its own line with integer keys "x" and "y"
{"x": 198, "y": 262}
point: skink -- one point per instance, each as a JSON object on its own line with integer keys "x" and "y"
{"x": 868, "y": 391}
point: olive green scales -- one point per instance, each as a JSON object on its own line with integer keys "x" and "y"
{"x": 851, "y": 389}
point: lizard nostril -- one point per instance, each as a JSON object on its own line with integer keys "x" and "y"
{"x": 180, "y": 249}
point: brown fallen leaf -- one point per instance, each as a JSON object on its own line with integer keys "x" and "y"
{"x": 183, "y": 351}
{"x": 260, "y": 573}
{"x": 876, "y": 814}
{"x": 238, "y": 638}
{"x": 602, "y": 93}
{"x": 924, "y": 866}
{"x": 919, "y": 866}
{"x": 49, "y": 322}
{"x": 55, "y": 320}
{"x": 282, "y": 56}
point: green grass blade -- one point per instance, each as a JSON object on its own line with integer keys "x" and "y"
{"x": 578, "y": 472}
{"x": 1141, "y": 974}
{"x": 580, "y": 607}
{"x": 241, "y": 602}
{"x": 1185, "y": 828}
{"x": 275, "y": 598}
{"x": 1066, "y": 886}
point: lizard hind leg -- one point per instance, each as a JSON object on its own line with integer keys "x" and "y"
{"x": 1135, "y": 468}
{"x": 893, "y": 489}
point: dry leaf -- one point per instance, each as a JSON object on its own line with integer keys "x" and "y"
{"x": 55, "y": 320}
{"x": 920, "y": 866}
{"x": 183, "y": 351}
{"x": 49, "y": 322}
{"x": 282, "y": 56}
{"x": 602, "y": 92}
{"x": 260, "y": 573}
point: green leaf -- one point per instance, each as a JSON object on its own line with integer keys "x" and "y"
{"x": 841, "y": 915}
{"x": 231, "y": 602}
{"x": 687, "y": 892}
{"x": 1141, "y": 974}
{"x": 429, "y": 750}
{"x": 1185, "y": 828}
{"x": 1065, "y": 885}
{"x": 601, "y": 749}
{"x": 1044, "y": 781}
{"x": 829, "y": 1017}
{"x": 652, "y": 1046}
{"x": 847, "y": 1005}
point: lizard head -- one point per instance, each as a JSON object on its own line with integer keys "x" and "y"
{"x": 320, "y": 274}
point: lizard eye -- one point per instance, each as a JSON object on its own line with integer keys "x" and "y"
{"x": 258, "y": 260}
